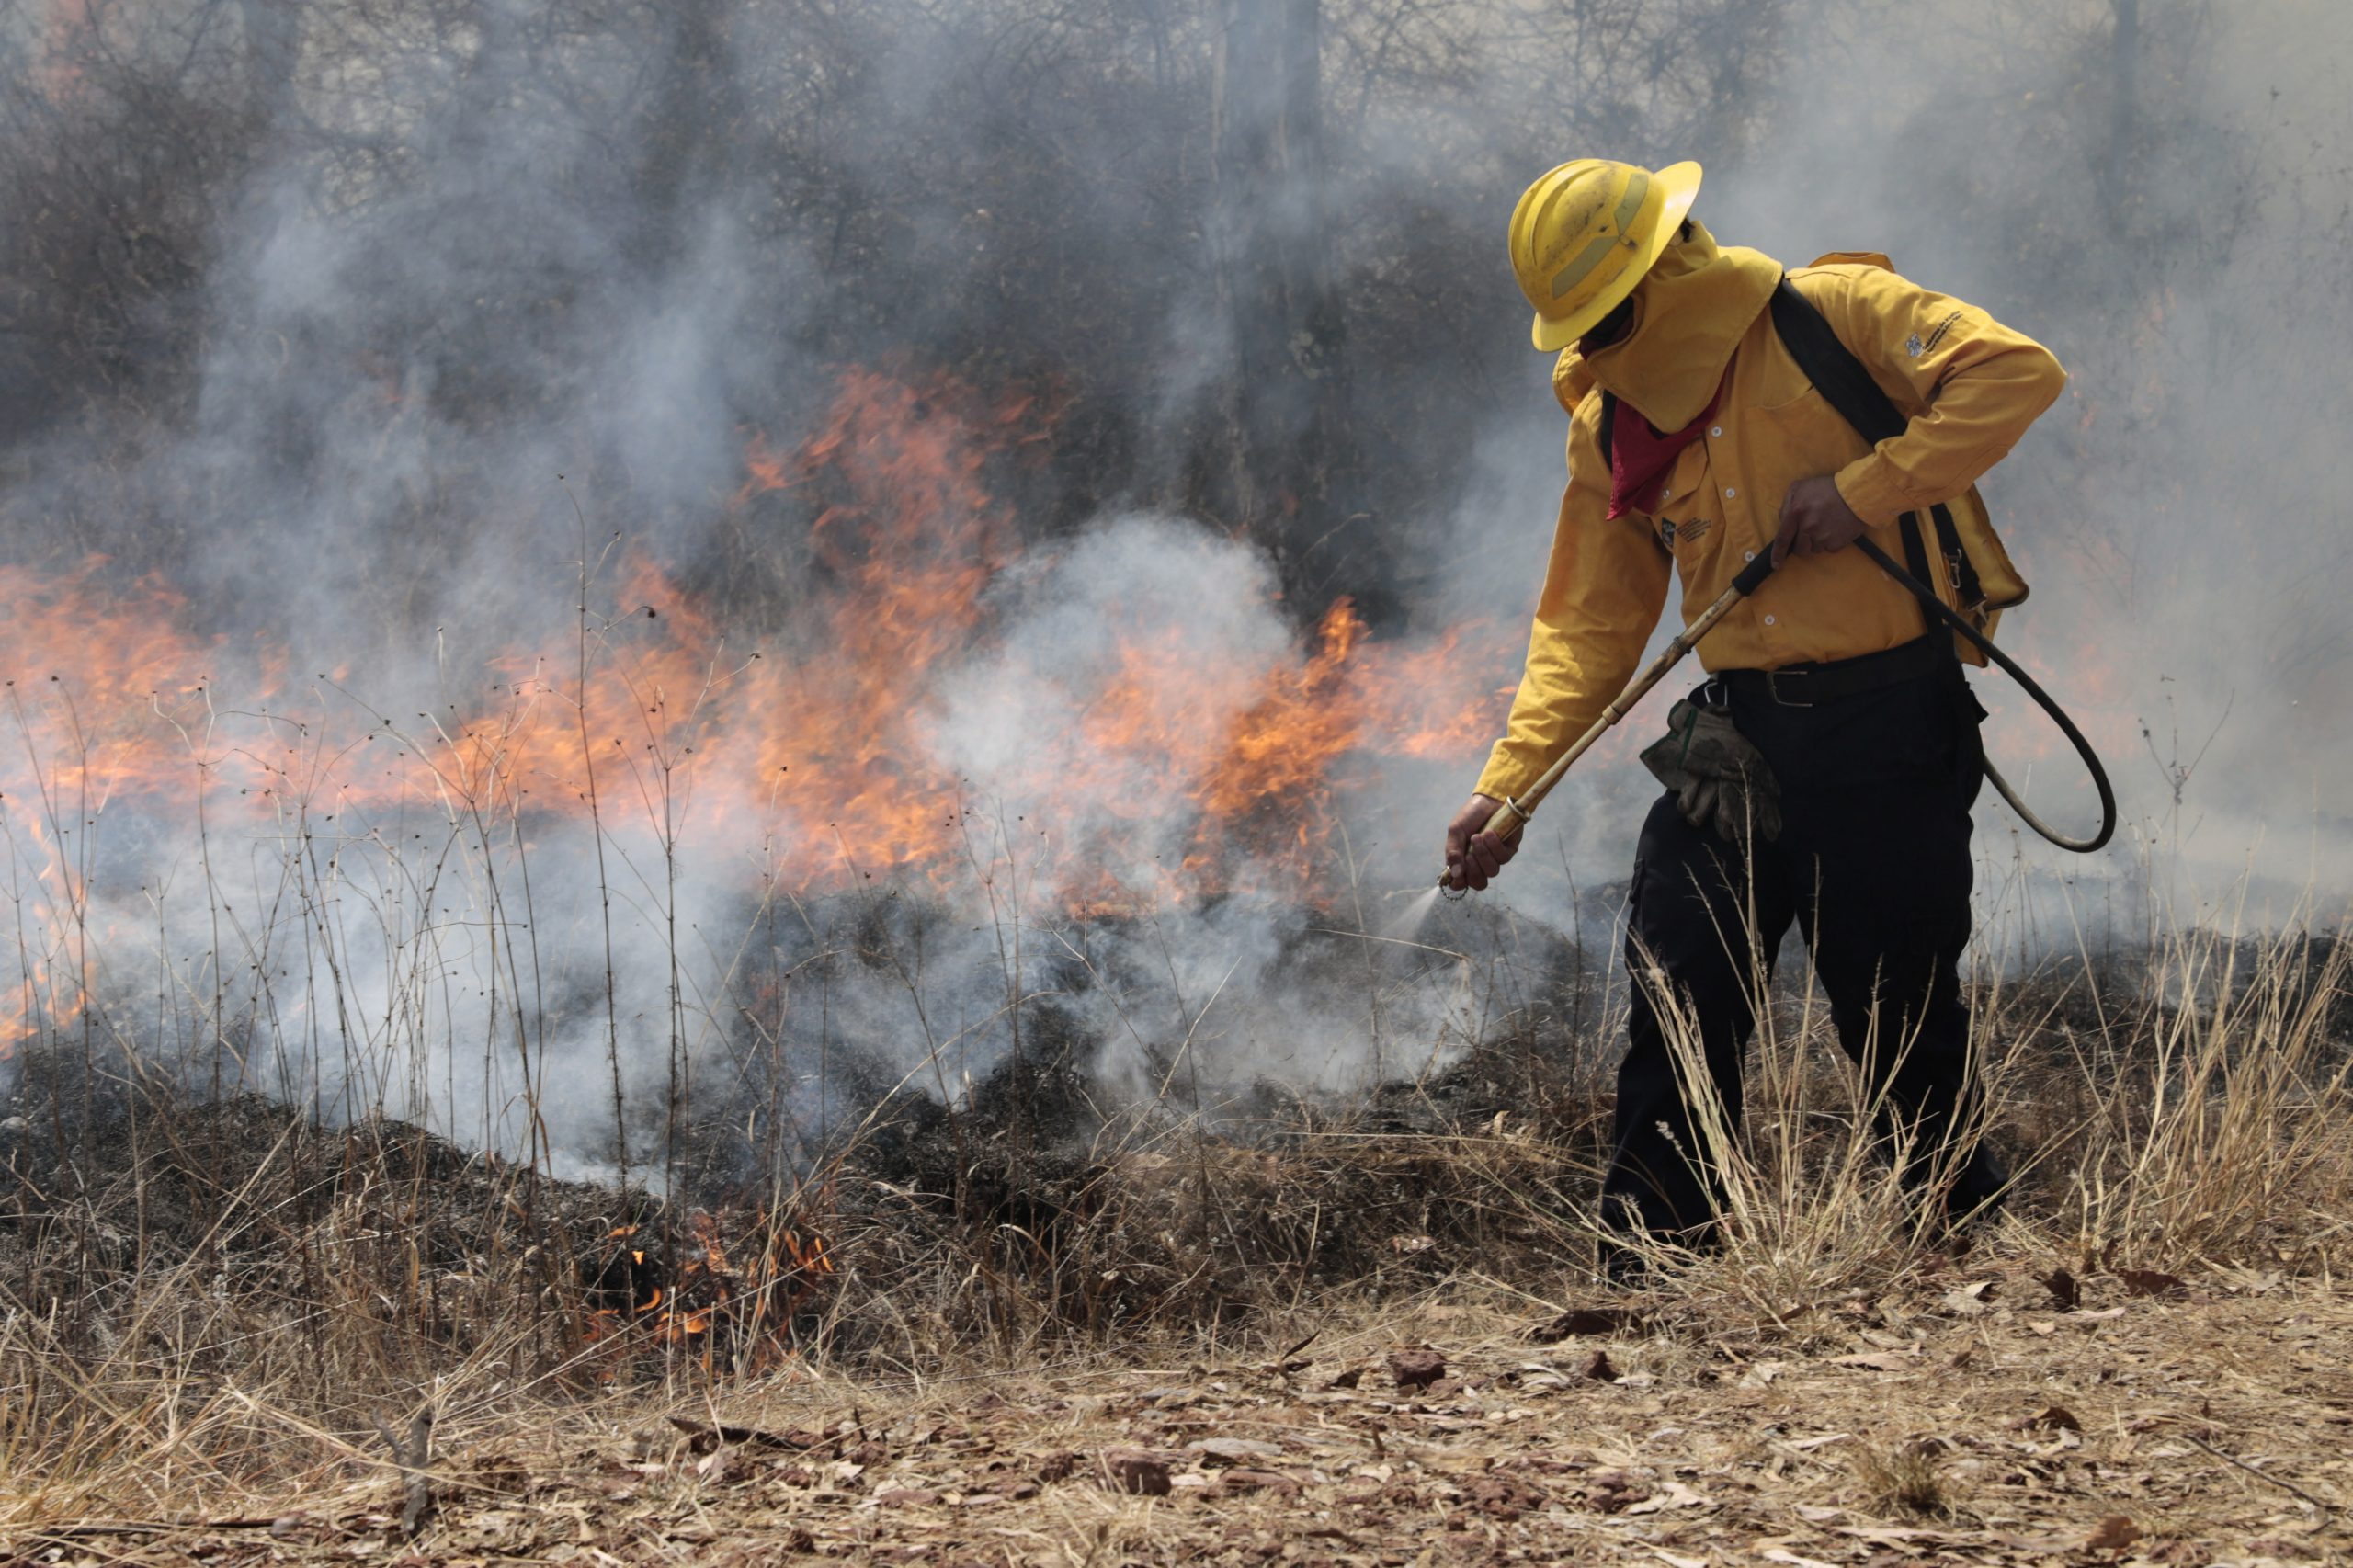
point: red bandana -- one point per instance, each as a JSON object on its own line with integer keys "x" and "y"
{"x": 1638, "y": 455}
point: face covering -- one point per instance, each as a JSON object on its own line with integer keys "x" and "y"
{"x": 1690, "y": 312}
{"x": 1638, "y": 455}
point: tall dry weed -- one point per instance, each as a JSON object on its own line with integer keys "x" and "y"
{"x": 2219, "y": 1115}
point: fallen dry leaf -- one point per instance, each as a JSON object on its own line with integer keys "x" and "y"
{"x": 1233, "y": 1450}
{"x": 1590, "y": 1321}
{"x": 1676, "y": 1496}
{"x": 1781, "y": 1554}
{"x": 2067, "y": 1295}
{"x": 2057, "y": 1418}
{"x": 2280, "y": 1546}
{"x": 1416, "y": 1367}
{"x": 2150, "y": 1282}
{"x": 1613, "y": 1490}
{"x": 1505, "y": 1497}
{"x": 703, "y": 1439}
{"x": 2115, "y": 1533}
{"x": 1139, "y": 1471}
{"x": 1598, "y": 1369}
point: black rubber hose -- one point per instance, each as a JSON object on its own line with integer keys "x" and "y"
{"x": 1984, "y": 644}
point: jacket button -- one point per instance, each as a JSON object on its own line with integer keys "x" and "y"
{"x": 1730, "y": 493}
{"x": 1715, "y": 430}
{"x": 1748, "y": 555}
{"x": 1768, "y": 621}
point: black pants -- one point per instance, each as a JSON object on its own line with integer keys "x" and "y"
{"x": 1873, "y": 863}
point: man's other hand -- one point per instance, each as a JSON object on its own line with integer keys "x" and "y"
{"x": 1815, "y": 521}
{"x": 1472, "y": 853}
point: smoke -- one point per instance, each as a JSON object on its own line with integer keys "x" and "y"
{"x": 1177, "y": 625}
{"x": 465, "y": 336}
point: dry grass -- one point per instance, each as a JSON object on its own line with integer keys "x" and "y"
{"x": 2007, "y": 1434}
{"x": 2197, "y": 1118}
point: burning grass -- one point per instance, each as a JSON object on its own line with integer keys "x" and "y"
{"x": 1178, "y": 756}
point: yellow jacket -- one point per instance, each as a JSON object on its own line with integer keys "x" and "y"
{"x": 1971, "y": 386}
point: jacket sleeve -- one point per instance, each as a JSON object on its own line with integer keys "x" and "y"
{"x": 1603, "y": 591}
{"x": 1978, "y": 385}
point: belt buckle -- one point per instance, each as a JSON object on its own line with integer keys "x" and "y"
{"x": 1773, "y": 686}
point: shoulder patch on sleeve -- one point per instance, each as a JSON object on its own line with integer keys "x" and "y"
{"x": 1916, "y": 347}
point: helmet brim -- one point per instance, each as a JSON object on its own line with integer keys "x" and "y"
{"x": 1679, "y": 183}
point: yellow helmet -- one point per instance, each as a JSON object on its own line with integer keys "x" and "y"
{"x": 1585, "y": 233}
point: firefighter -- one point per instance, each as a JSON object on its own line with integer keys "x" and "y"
{"x": 1824, "y": 772}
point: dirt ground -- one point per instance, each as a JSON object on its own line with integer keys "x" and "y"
{"x": 1968, "y": 1420}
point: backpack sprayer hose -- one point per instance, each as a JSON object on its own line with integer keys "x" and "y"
{"x": 2043, "y": 699}
{"x": 1514, "y": 814}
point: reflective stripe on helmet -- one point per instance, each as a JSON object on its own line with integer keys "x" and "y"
{"x": 1630, "y": 206}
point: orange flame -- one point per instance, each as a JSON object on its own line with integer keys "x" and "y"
{"x": 823, "y": 747}
{"x": 713, "y": 1300}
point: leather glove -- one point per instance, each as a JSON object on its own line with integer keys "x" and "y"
{"x": 1721, "y": 782}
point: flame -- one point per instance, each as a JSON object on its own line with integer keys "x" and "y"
{"x": 823, "y": 744}
{"x": 750, "y": 1308}
{"x": 85, "y": 731}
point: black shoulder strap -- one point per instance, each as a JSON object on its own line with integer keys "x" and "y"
{"x": 1832, "y": 367}
{"x": 1848, "y": 387}
{"x": 1608, "y": 430}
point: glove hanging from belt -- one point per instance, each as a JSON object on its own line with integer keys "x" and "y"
{"x": 1721, "y": 782}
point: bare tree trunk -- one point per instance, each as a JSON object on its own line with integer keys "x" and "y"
{"x": 273, "y": 40}
{"x": 697, "y": 115}
{"x": 1285, "y": 400}
{"x": 2124, "y": 55}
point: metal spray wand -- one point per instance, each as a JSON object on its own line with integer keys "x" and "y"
{"x": 1513, "y": 814}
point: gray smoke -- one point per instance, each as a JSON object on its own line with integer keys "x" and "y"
{"x": 426, "y": 310}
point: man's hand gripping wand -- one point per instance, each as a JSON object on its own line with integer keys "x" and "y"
{"x": 1514, "y": 814}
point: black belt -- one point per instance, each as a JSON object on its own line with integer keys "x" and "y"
{"x": 1811, "y": 685}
